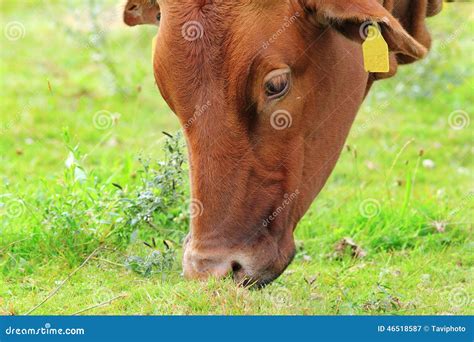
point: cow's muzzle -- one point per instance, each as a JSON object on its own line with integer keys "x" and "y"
{"x": 255, "y": 267}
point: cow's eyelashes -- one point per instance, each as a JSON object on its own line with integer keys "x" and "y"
{"x": 277, "y": 84}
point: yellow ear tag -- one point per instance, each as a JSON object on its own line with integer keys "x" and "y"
{"x": 375, "y": 49}
{"x": 153, "y": 48}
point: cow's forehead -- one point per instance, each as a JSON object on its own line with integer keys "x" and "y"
{"x": 202, "y": 3}
{"x": 200, "y": 35}
{"x": 210, "y": 46}
{"x": 225, "y": 10}
{"x": 209, "y": 28}
{"x": 187, "y": 7}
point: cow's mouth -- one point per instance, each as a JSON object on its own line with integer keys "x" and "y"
{"x": 263, "y": 278}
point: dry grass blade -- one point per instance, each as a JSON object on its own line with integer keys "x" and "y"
{"x": 108, "y": 302}
{"x": 52, "y": 293}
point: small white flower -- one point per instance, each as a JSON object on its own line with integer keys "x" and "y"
{"x": 428, "y": 164}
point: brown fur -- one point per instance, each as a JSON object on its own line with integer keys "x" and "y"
{"x": 242, "y": 169}
{"x": 140, "y": 12}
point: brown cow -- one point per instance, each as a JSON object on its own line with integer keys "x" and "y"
{"x": 266, "y": 92}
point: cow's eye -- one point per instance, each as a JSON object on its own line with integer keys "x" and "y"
{"x": 277, "y": 83}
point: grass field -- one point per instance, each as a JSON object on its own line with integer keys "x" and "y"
{"x": 81, "y": 136}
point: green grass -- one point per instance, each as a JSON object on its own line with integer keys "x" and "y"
{"x": 413, "y": 220}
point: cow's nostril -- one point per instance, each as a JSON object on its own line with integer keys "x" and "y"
{"x": 236, "y": 267}
{"x": 132, "y": 8}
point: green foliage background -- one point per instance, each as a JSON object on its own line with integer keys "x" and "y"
{"x": 84, "y": 167}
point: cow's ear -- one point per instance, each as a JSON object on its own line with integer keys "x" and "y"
{"x": 141, "y": 12}
{"x": 352, "y": 18}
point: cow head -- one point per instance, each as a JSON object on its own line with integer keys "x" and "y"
{"x": 266, "y": 92}
{"x": 141, "y": 12}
